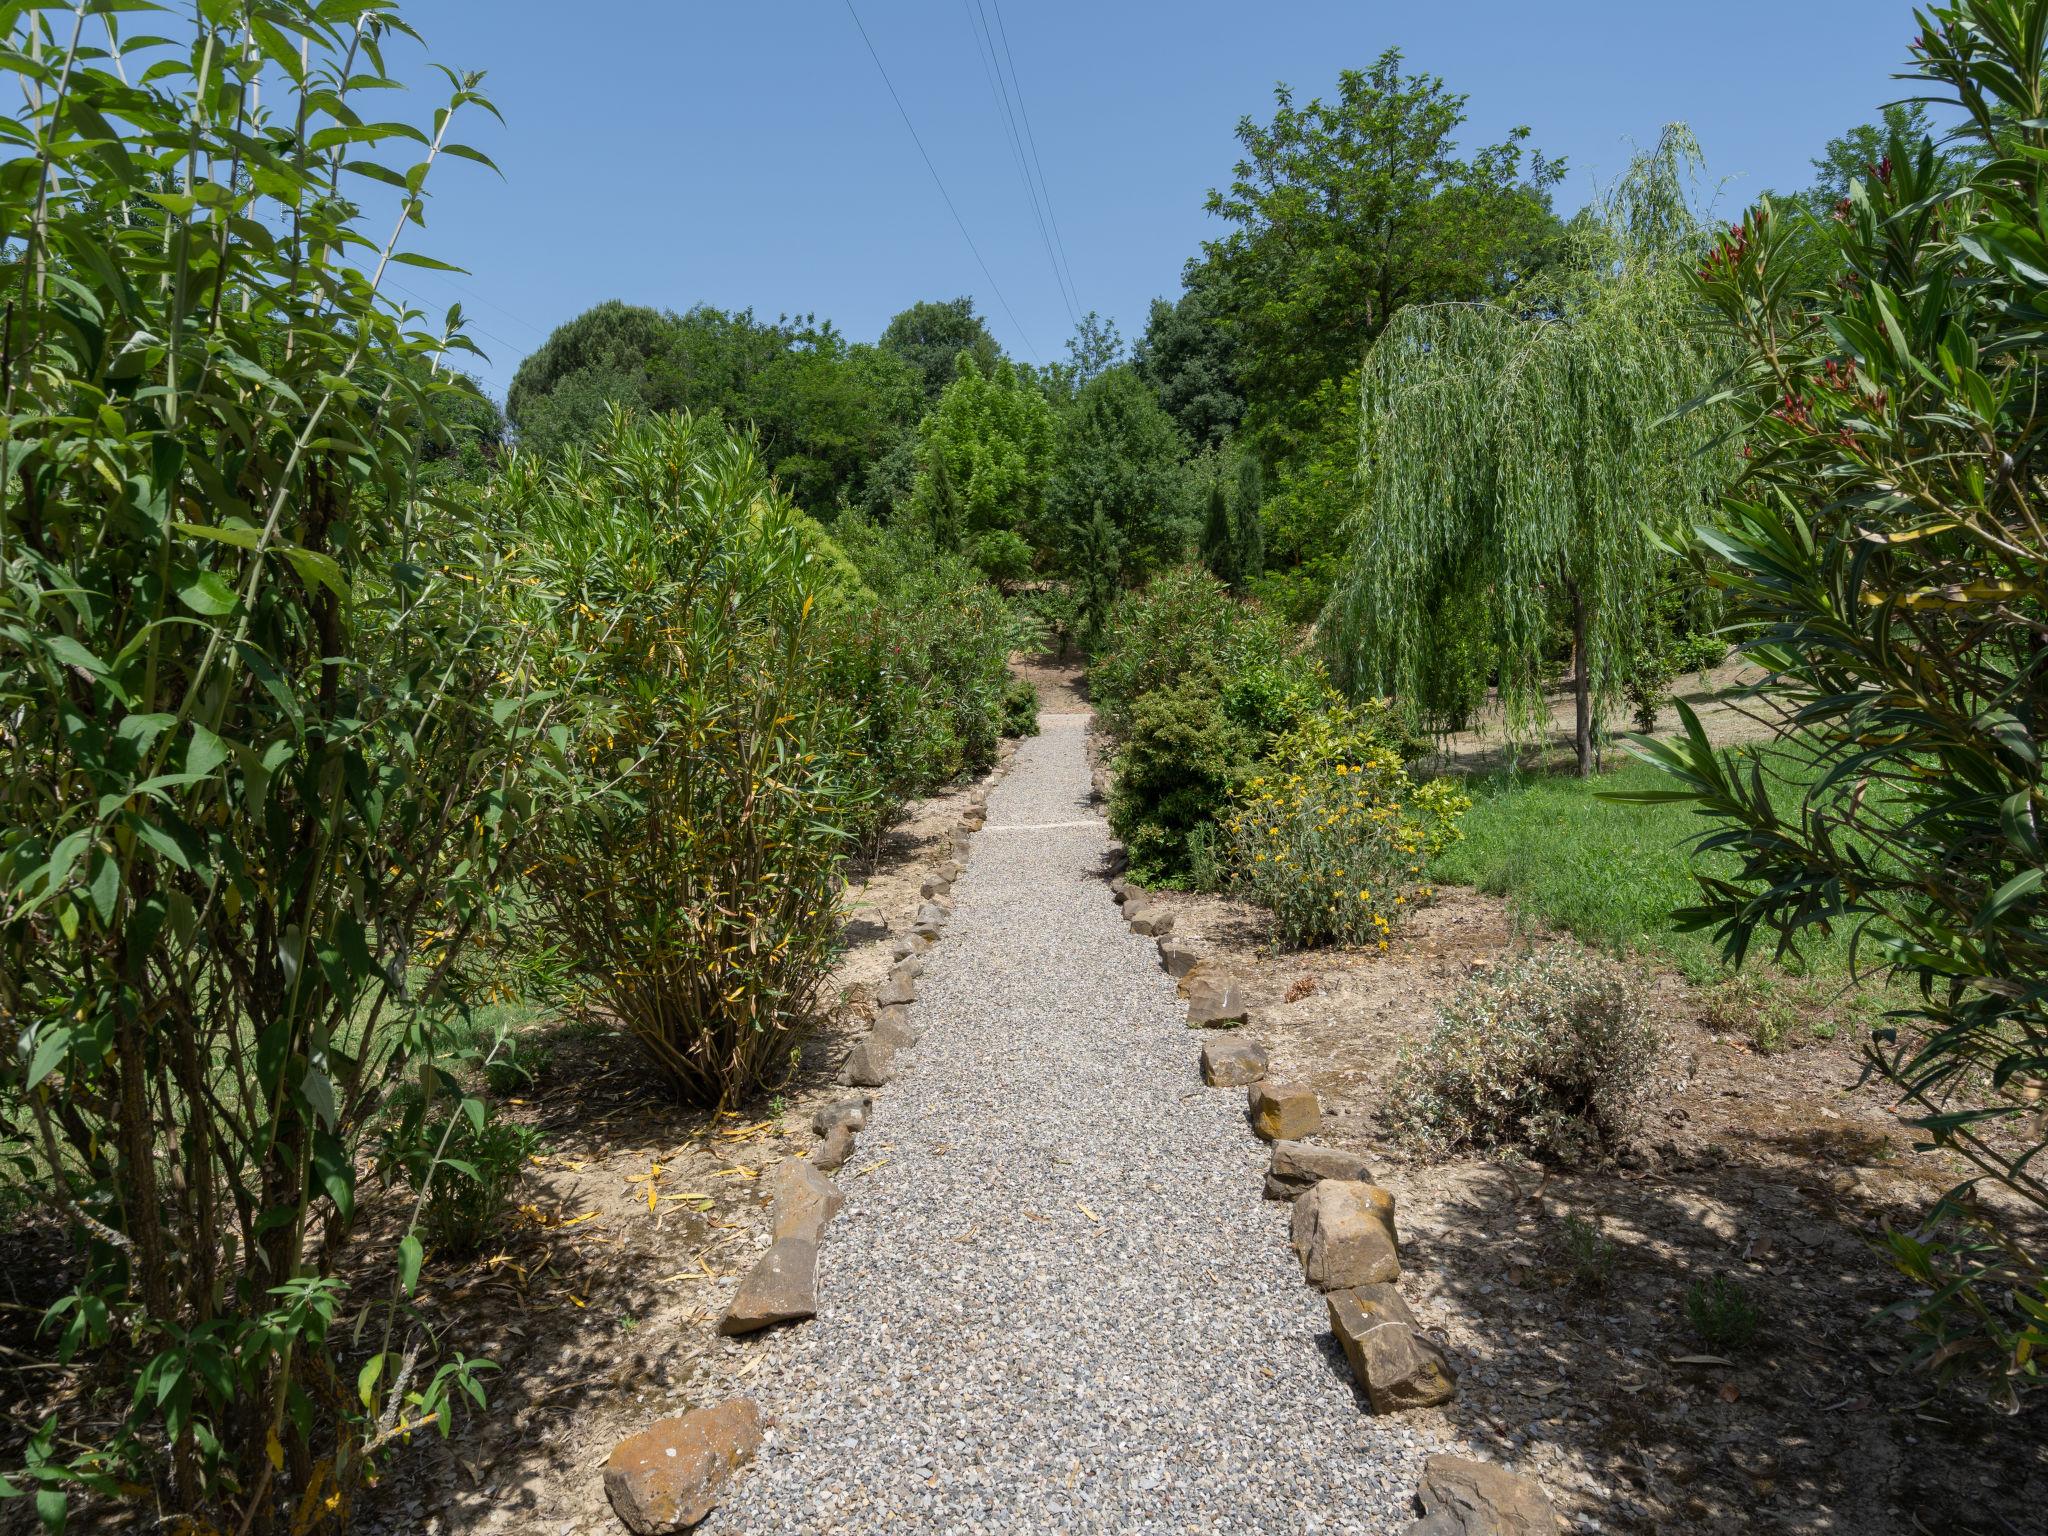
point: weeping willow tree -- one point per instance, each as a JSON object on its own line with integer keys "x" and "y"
{"x": 1532, "y": 459}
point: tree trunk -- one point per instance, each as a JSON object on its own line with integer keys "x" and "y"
{"x": 1582, "y": 687}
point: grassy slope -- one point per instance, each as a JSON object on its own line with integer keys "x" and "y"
{"x": 1610, "y": 873}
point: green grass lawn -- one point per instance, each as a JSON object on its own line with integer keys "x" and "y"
{"x": 1612, "y": 874}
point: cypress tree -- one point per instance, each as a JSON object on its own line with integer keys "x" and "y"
{"x": 1219, "y": 545}
{"x": 1248, "y": 534}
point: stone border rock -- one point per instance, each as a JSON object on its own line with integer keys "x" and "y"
{"x": 1342, "y": 1224}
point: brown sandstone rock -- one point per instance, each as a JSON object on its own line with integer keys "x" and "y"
{"x": 782, "y": 1287}
{"x": 668, "y": 1477}
{"x": 1399, "y": 1366}
{"x": 893, "y": 1028}
{"x": 837, "y": 1147}
{"x": 933, "y": 888}
{"x": 1472, "y": 1498}
{"x": 804, "y": 1201}
{"x": 870, "y": 1064}
{"x": 1233, "y": 1063}
{"x": 1177, "y": 957}
{"x": 1344, "y": 1235}
{"x": 1152, "y": 922}
{"x": 851, "y": 1112}
{"x": 1298, "y": 1167}
{"x": 1214, "y": 1003}
{"x": 1283, "y": 1112}
{"x": 896, "y": 991}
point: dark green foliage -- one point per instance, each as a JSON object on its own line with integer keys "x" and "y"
{"x": 1194, "y": 687}
{"x": 1183, "y": 623}
{"x": 1308, "y": 518}
{"x": 1188, "y": 355}
{"x": 610, "y": 354}
{"x": 928, "y": 664}
{"x": 826, "y": 411}
{"x": 1219, "y": 547}
{"x": 1116, "y": 506}
{"x": 930, "y": 336}
{"x": 1722, "y": 1315}
{"x": 1176, "y": 770}
{"x": 1347, "y": 210}
{"x": 1590, "y": 1256}
{"x": 465, "y": 439}
{"x": 1247, "y": 526}
{"x": 1020, "y": 708}
{"x": 1884, "y": 562}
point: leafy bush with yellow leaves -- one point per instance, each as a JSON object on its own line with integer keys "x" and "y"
{"x": 1335, "y": 839}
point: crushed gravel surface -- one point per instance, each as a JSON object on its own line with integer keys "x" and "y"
{"x": 1055, "y": 1301}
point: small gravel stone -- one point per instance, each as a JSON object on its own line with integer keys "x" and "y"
{"x": 1055, "y": 1299}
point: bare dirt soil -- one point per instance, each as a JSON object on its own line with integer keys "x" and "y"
{"x": 1718, "y": 696}
{"x": 1773, "y": 1170}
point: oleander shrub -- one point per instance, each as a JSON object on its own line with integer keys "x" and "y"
{"x": 1883, "y": 562}
{"x": 1552, "y": 1056}
{"x": 926, "y": 666}
{"x": 692, "y": 883}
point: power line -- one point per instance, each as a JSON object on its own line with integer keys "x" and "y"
{"x": 1044, "y": 187}
{"x": 937, "y": 182}
{"x": 992, "y": 69}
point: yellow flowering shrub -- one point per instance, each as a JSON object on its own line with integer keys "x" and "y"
{"x": 1336, "y": 840}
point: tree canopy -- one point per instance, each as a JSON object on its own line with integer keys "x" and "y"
{"x": 826, "y": 411}
{"x": 931, "y": 334}
{"x": 1346, "y": 211}
{"x": 1537, "y": 455}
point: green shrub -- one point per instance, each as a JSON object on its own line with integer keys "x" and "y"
{"x": 695, "y": 887}
{"x": 1184, "y": 626}
{"x": 462, "y": 1166}
{"x": 1177, "y": 769}
{"x": 1699, "y": 653}
{"x": 1338, "y": 849}
{"x": 1553, "y": 1057}
{"x": 1722, "y": 1314}
{"x": 927, "y": 667}
{"x": 1884, "y": 562}
{"x": 1020, "y": 708}
{"x": 265, "y": 763}
{"x": 1589, "y": 1255}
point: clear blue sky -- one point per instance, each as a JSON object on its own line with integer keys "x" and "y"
{"x": 746, "y": 153}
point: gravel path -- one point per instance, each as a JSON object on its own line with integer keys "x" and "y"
{"x": 1055, "y": 1301}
